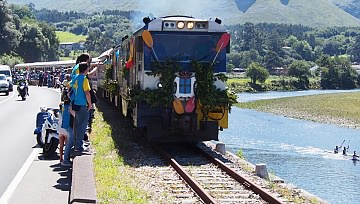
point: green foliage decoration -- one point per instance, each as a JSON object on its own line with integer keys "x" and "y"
{"x": 157, "y": 97}
{"x": 205, "y": 89}
{"x": 108, "y": 73}
{"x": 110, "y": 85}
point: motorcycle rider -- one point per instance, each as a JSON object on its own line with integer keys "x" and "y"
{"x": 20, "y": 81}
{"x": 66, "y": 80}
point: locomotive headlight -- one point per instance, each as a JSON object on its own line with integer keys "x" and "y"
{"x": 180, "y": 24}
{"x": 159, "y": 85}
{"x": 190, "y": 25}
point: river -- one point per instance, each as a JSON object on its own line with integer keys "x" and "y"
{"x": 300, "y": 152}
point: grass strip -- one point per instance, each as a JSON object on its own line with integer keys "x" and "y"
{"x": 115, "y": 180}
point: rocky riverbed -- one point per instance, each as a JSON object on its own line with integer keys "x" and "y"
{"x": 291, "y": 113}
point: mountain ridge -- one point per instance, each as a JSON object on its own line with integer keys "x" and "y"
{"x": 319, "y": 13}
{"x": 350, "y": 6}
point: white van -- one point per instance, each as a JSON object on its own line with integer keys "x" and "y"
{"x": 5, "y": 69}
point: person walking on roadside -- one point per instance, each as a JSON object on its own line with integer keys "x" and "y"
{"x": 66, "y": 133}
{"x": 41, "y": 78}
{"x": 81, "y": 104}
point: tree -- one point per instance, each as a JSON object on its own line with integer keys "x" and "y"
{"x": 256, "y": 72}
{"x": 301, "y": 70}
{"x": 330, "y": 77}
{"x": 11, "y": 60}
{"x": 248, "y": 57}
{"x": 349, "y": 78}
{"x": 92, "y": 39}
{"x": 51, "y": 42}
{"x": 304, "y": 49}
{"x": 274, "y": 42}
{"x": 331, "y": 47}
{"x": 272, "y": 60}
{"x": 229, "y": 67}
{"x": 291, "y": 40}
{"x": 324, "y": 61}
{"x": 248, "y": 36}
{"x": 347, "y": 75}
{"x": 32, "y": 47}
{"x": 355, "y": 50}
{"x": 22, "y": 11}
{"x": 234, "y": 58}
{"x": 9, "y": 30}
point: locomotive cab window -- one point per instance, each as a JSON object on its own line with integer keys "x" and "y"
{"x": 185, "y": 47}
{"x": 185, "y": 86}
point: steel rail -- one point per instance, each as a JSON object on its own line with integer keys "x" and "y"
{"x": 207, "y": 198}
{"x": 247, "y": 183}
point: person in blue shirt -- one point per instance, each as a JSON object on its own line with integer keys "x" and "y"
{"x": 84, "y": 57}
{"x": 81, "y": 104}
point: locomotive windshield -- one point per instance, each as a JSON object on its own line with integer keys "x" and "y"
{"x": 186, "y": 48}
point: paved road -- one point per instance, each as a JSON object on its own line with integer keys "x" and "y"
{"x": 25, "y": 177}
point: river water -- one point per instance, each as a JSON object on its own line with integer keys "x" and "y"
{"x": 300, "y": 152}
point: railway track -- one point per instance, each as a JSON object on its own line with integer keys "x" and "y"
{"x": 209, "y": 177}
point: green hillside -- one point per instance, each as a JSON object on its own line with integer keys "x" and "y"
{"x": 69, "y": 37}
{"x": 307, "y": 12}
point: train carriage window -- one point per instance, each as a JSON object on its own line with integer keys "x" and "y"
{"x": 139, "y": 44}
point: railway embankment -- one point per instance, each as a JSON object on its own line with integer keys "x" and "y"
{"x": 127, "y": 170}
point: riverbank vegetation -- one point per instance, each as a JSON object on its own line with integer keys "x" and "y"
{"x": 329, "y": 73}
{"x": 340, "y": 108}
{"x": 273, "y": 83}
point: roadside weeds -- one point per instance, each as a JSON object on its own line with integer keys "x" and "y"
{"x": 115, "y": 180}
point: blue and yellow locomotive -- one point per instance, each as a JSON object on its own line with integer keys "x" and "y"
{"x": 169, "y": 78}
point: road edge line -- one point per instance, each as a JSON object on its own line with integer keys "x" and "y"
{"x": 12, "y": 96}
{"x": 4, "y": 199}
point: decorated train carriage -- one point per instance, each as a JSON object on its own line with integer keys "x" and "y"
{"x": 170, "y": 78}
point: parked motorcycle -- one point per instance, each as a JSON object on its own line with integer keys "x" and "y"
{"x": 22, "y": 90}
{"x": 46, "y": 130}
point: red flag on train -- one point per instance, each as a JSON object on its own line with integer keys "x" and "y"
{"x": 224, "y": 40}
